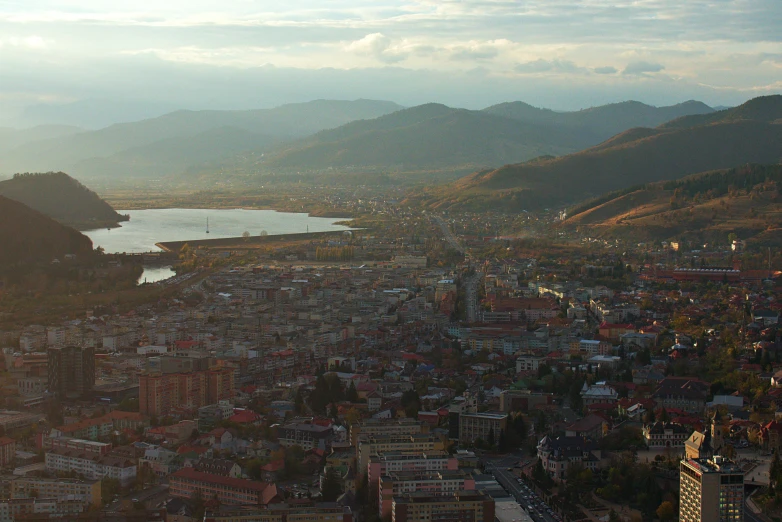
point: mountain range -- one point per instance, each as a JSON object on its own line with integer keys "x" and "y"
{"x": 323, "y": 134}
{"x": 62, "y": 198}
{"x": 750, "y": 133}
{"x": 161, "y": 146}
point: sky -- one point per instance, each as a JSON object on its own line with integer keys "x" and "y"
{"x": 151, "y": 56}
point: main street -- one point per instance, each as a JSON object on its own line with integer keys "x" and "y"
{"x": 538, "y": 510}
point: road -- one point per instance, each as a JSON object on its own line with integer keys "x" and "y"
{"x": 538, "y": 510}
{"x": 448, "y": 235}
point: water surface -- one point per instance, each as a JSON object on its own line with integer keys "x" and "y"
{"x": 147, "y": 227}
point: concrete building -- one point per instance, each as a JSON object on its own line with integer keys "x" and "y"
{"x": 369, "y": 446}
{"x": 444, "y": 482}
{"x": 399, "y": 427}
{"x": 185, "y": 482}
{"x": 324, "y": 512}
{"x": 484, "y": 426}
{"x": 7, "y": 451}
{"x": 306, "y": 434}
{"x": 711, "y": 490}
{"x": 556, "y": 455}
{"x": 464, "y": 506}
{"x": 87, "y": 492}
{"x": 92, "y": 466}
{"x": 160, "y": 393}
{"x": 71, "y": 371}
{"x": 395, "y": 462}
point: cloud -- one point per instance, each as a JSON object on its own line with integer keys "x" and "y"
{"x": 605, "y": 70}
{"x": 640, "y": 68}
{"x": 544, "y": 66}
{"x": 378, "y": 46}
{"x": 29, "y": 42}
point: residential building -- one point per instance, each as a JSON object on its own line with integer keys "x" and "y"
{"x": 400, "y": 427}
{"x": 71, "y": 371}
{"x": 92, "y": 466}
{"x": 87, "y": 492}
{"x": 556, "y": 454}
{"x": 524, "y": 400}
{"x": 711, "y": 490}
{"x": 306, "y": 434}
{"x": 464, "y": 506}
{"x": 185, "y": 482}
{"x": 485, "y": 426}
{"x": 223, "y": 467}
{"x": 399, "y": 483}
{"x": 592, "y": 427}
{"x": 598, "y": 394}
{"x": 369, "y": 445}
{"x": 324, "y": 512}
{"x": 161, "y": 393}
{"x": 7, "y": 452}
{"x": 395, "y": 462}
{"x": 39, "y": 508}
{"x": 665, "y": 435}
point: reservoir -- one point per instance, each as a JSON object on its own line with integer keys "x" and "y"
{"x": 147, "y": 227}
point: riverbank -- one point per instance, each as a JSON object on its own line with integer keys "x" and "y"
{"x": 248, "y": 243}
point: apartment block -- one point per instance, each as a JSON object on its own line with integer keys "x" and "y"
{"x": 15, "y": 509}
{"x": 464, "y": 506}
{"x": 445, "y": 482}
{"x": 395, "y": 462}
{"x": 185, "y": 482}
{"x": 379, "y": 444}
{"x": 711, "y": 490}
{"x": 161, "y": 393}
{"x": 92, "y": 466}
{"x": 7, "y": 451}
{"x": 401, "y": 427}
{"x": 326, "y": 512}
{"x": 71, "y": 371}
{"x": 87, "y": 492}
{"x": 484, "y": 426}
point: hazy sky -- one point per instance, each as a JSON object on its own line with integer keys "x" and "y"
{"x": 564, "y": 54}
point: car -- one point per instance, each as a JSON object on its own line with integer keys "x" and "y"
{"x": 134, "y": 500}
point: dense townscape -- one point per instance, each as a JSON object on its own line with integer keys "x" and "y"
{"x": 427, "y": 369}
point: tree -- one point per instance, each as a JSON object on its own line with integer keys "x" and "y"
{"x": 199, "y": 506}
{"x": 332, "y": 485}
{"x": 246, "y": 236}
{"x": 108, "y": 488}
{"x": 352, "y": 393}
{"x": 665, "y": 511}
{"x": 491, "y": 437}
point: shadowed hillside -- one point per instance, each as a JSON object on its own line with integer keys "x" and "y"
{"x": 29, "y": 236}
{"x": 61, "y": 197}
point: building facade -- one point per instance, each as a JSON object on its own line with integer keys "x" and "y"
{"x": 711, "y": 490}
{"x": 71, "y": 371}
{"x": 464, "y": 506}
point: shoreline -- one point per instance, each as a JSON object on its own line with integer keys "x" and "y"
{"x": 245, "y": 243}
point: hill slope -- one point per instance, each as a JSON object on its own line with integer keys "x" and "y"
{"x": 435, "y": 136}
{"x": 28, "y": 236}
{"x": 62, "y": 198}
{"x": 636, "y": 157}
{"x": 745, "y": 201}
{"x": 287, "y": 121}
{"x": 427, "y": 136}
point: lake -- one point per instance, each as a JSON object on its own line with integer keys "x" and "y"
{"x": 147, "y": 227}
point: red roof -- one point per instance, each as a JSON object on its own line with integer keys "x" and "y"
{"x": 211, "y": 478}
{"x": 244, "y": 417}
{"x": 5, "y": 441}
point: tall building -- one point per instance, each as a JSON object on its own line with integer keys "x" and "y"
{"x": 71, "y": 371}
{"x": 711, "y": 490}
{"x": 160, "y": 393}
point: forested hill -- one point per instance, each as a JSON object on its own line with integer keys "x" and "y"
{"x": 62, "y": 198}
{"x": 28, "y": 236}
